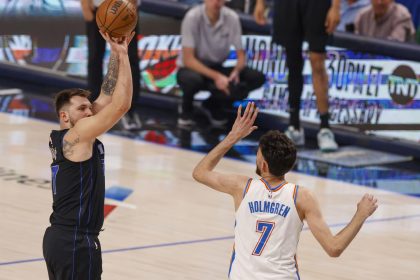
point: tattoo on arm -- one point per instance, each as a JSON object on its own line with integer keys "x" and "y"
{"x": 68, "y": 147}
{"x": 110, "y": 80}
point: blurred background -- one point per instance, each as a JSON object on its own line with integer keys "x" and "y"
{"x": 373, "y": 83}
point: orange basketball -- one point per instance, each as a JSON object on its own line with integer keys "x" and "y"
{"x": 116, "y": 17}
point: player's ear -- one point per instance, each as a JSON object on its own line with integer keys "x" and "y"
{"x": 64, "y": 116}
{"x": 264, "y": 167}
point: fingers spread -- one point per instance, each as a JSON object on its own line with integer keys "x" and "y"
{"x": 254, "y": 116}
{"x": 248, "y": 107}
{"x": 238, "y": 114}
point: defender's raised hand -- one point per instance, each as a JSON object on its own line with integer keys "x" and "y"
{"x": 244, "y": 124}
{"x": 367, "y": 205}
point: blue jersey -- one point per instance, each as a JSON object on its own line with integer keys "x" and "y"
{"x": 78, "y": 188}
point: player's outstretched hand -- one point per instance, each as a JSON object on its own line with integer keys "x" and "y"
{"x": 244, "y": 124}
{"x": 367, "y": 205}
{"x": 118, "y": 45}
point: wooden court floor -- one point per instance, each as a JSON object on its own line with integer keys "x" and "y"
{"x": 170, "y": 227}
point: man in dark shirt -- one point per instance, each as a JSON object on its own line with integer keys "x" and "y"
{"x": 293, "y": 22}
{"x": 71, "y": 247}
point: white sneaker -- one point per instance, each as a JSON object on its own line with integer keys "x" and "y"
{"x": 297, "y": 136}
{"x": 126, "y": 122}
{"x": 214, "y": 115}
{"x": 185, "y": 122}
{"x": 136, "y": 122}
{"x": 130, "y": 122}
{"x": 326, "y": 141}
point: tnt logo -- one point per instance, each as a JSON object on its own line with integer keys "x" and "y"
{"x": 403, "y": 85}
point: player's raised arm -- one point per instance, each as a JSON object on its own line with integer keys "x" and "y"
{"x": 334, "y": 245}
{"x": 109, "y": 83}
{"x": 227, "y": 183}
{"x": 118, "y": 83}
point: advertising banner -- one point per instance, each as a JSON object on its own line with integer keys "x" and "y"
{"x": 37, "y": 8}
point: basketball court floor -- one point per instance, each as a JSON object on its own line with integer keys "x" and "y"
{"x": 161, "y": 224}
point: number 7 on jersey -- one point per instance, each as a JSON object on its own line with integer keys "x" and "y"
{"x": 265, "y": 228}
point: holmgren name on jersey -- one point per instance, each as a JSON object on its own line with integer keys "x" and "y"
{"x": 269, "y": 207}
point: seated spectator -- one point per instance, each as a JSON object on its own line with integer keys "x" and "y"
{"x": 349, "y": 10}
{"x": 208, "y": 31}
{"x": 387, "y": 20}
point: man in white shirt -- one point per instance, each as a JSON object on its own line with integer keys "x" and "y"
{"x": 208, "y": 31}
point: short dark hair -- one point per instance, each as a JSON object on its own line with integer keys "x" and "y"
{"x": 279, "y": 152}
{"x": 63, "y": 97}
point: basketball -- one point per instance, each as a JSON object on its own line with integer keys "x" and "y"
{"x": 118, "y": 18}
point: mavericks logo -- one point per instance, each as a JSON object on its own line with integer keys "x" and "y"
{"x": 403, "y": 85}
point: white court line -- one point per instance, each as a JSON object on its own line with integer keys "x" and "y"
{"x": 119, "y": 203}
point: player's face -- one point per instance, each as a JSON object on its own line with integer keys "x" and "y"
{"x": 380, "y": 7}
{"x": 80, "y": 107}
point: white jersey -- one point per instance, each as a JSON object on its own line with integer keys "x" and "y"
{"x": 267, "y": 233}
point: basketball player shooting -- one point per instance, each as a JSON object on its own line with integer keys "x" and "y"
{"x": 71, "y": 246}
{"x": 270, "y": 211}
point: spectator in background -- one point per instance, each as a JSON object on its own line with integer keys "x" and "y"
{"x": 418, "y": 35}
{"x": 349, "y": 10}
{"x": 208, "y": 31}
{"x": 385, "y": 19}
{"x": 96, "y": 52}
{"x": 293, "y": 22}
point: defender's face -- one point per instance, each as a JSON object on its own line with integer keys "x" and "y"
{"x": 79, "y": 108}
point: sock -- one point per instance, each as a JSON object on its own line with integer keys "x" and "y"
{"x": 294, "y": 118}
{"x": 325, "y": 120}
